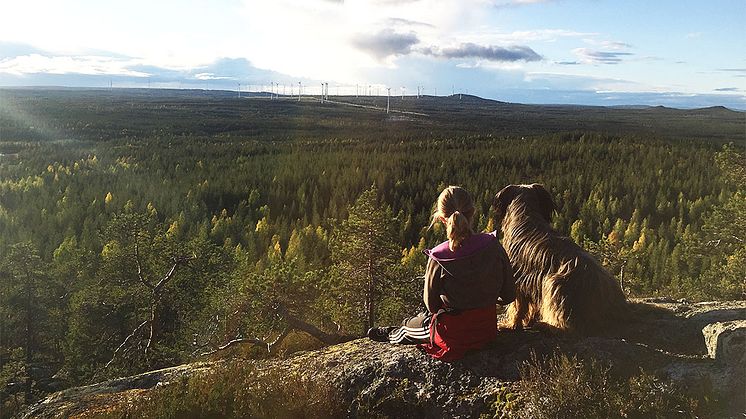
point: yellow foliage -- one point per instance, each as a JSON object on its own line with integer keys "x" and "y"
{"x": 613, "y": 238}
{"x": 640, "y": 243}
{"x": 173, "y": 229}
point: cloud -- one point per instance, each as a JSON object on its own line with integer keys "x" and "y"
{"x": 395, "y": 21}
{"x": 210, "y": 76}
{"x": 392, "y": 2}
{"x": 386, "y": 43}
{"x": 90, "y": 65}
{"x": 727, "y": 89}
{"x": 614, "y": 45}
{"x": 98, "y": 71}
{"x": 13, "y": 49}
{"x": 568, "y": 63}
{"x": 539, "y": 35}
{"x": 607, "y": 45}
{"x": 487, "y": 52}
{"x": 590, "y": 56}
{"x": 508, "y": 3}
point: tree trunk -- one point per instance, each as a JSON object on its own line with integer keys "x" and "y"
{"x": 153, "y": 323}
{"x": 327, "y": 338}
{"x": 370, "y": 297}
{"x": 29, "y": 350}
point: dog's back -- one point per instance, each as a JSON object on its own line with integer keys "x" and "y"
{"x": 558, "y": 283}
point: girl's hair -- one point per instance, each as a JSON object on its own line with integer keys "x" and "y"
{"x": 456, "y": 206}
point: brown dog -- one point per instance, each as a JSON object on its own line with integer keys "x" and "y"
{"x": 557, "y": 282}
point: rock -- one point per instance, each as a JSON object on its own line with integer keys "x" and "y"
{"x": 726, "y": 342}
{"x": 378, "y": 379}
{"x": 72, "y": 401}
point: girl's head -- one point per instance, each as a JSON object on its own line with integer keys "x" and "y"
{"x": 455, "y": 209}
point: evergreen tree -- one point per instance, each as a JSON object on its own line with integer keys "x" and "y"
{"x": 723, "y": 239}
{"x": 364, "y": 251}
{"x": 23, "y": 307}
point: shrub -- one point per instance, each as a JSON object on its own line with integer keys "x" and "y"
{"x": 565, "y": 387}
{"x": 237, "y": 391}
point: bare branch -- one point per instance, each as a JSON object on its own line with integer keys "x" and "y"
{"x": 139, "y": 265}
{"x": 124, "y": 343}
{"x": 272, "y": 346}
{"x": 178, "y": 261}
{"x": 234, "y": 342}
{"x": 298, "y": 324}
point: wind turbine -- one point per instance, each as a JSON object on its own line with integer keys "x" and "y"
{"x": 388, "y": 99}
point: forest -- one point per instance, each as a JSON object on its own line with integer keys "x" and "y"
{"x": 141, "y": 229}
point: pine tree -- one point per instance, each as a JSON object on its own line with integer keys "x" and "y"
{"x": 23, "y": 306}
{"x": 364, "y": 250}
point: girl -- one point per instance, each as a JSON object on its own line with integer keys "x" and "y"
{"x": 465, "y": 277}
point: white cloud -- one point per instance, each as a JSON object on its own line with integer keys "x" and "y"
{"x": 321, "y": 36}
{"x": 590, "y": 56}
{"x": 89, "y": 65}
{"x": 210, "y": 76}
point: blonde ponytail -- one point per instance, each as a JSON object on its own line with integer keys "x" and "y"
{"x": 456, "y": 209}
{"x": 458, "y": 228}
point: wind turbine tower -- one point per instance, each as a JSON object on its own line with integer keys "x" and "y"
{"x": 388, "y": 99}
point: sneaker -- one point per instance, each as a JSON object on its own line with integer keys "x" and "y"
{"x": 380, "y": 334}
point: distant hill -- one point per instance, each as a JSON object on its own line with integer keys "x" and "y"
{"x": 97, "y": 114}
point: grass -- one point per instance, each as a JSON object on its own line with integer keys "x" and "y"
{"x": 561, "y": 386}
{"x": 236, "y": 391}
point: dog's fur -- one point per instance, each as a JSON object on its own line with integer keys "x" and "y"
{"x": 558, "y": 284}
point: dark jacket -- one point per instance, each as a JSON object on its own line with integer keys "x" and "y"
{"x": 476, "y": 275}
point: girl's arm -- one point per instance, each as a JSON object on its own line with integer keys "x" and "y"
{"x": 432, "y": 291}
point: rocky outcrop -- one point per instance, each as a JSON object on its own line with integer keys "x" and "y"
{"x": 726, "y": 342}
{"x": 666, "y": 338}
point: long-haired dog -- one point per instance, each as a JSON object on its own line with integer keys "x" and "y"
{"x": 557, "y": 282}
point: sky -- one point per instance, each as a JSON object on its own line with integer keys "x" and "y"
{"x": 592, "y": 52}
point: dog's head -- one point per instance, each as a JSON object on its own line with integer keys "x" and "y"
{"x": 534, "y": 195}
